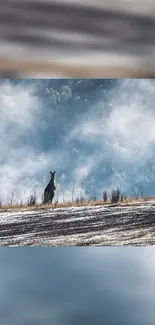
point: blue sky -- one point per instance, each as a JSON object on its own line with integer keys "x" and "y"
{"x": 96, "y": 132}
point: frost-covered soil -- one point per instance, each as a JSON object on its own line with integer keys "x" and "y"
{"x": 75, "y": 226}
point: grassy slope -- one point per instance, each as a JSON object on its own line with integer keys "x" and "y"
{"x": 20, "y": 207}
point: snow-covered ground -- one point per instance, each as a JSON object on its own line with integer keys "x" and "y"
{"x": 74, "y": 226}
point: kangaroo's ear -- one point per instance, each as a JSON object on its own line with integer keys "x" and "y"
{"x": 54, "y": 172}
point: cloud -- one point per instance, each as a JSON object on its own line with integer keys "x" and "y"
{"x": 20, "y": 161}
{"x": 24, "y": 162}
{"x": 111, "y": 143}
{"x": 123, "y": 132}
{"x": 128, "y": 126}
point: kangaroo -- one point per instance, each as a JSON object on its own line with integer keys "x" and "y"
{"x": 50, "y": 188}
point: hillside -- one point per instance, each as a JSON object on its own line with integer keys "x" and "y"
{"x": 122, "y": 224}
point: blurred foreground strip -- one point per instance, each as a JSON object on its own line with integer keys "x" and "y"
{"x": 77, "y": 38}
{"x": 18, "y": 69}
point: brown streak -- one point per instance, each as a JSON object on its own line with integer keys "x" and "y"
{"x": 75, "y": 71}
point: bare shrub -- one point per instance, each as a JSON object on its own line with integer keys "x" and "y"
{"x": 55, "y": 204}
{"x": 32, "y": 200}
{"x": 72, "y": 194}
{"x": 42, "y": 199}
{"x": 105, "y": 197}
{"x": 115, "y": 195}
{"x": 21, "y": 204}
{"x": 12, "y": 197}
{"x": 122, "y": 197}
{"x": 82, "y": 199}
{"x": 77, "y": 200}
{"x": 94, "y": 196}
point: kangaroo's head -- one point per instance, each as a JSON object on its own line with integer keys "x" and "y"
{"x": 52, "y": 174}
{"x": 53, "y": 179}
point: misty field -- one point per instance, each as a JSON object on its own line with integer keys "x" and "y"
{"x": 122, "y": 224}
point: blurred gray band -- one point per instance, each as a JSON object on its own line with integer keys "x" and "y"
{"x": 116, "y": 36}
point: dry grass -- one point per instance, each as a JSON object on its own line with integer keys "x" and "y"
{"x": 41, "y": 206}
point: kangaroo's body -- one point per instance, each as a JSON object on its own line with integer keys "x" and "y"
{"x": 50, "y": 189}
